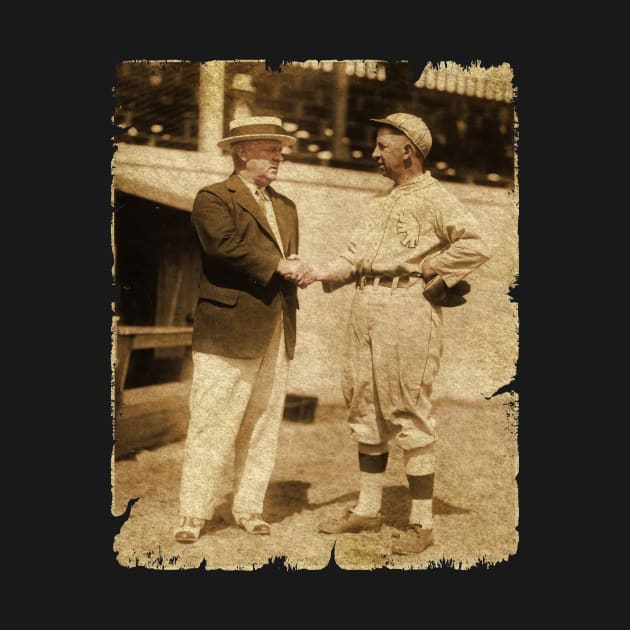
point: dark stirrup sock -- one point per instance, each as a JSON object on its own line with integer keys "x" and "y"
{"x": 421, "y": 486}
{"x": 373, "y": 463}
{"x": 421, "y": 491}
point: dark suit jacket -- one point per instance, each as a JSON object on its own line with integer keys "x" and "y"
{"x": 241, "y": 297}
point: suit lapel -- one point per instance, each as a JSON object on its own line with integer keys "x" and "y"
{"x": 246, "y": 200}
{"x": 283, "y": 218}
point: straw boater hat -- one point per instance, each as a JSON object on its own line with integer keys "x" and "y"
{"x": 256, "y": 128}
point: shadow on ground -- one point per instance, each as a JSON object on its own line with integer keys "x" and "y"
{"x": 287, "y": 498}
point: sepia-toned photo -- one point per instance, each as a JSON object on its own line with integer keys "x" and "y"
{"x": 314, "y": 342}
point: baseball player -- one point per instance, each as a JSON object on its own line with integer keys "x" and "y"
{"x": 417, "y": 244}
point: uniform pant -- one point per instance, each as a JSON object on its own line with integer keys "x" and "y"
{"x": 393, "y": 350}
{"x": 236, "y": 406}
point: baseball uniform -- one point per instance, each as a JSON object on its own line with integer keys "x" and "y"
{"x": 393, "y": 341}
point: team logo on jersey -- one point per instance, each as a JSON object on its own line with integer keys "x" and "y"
{"x": 408, "y": 230}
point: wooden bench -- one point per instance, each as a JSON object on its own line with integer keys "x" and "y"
{"x": 155, "y": 414}
{"x": 129, "y": 338}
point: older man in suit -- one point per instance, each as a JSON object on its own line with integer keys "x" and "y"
{"x": 244, "y": 329}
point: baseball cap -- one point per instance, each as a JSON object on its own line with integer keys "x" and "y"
{"x": 413, "y": 127}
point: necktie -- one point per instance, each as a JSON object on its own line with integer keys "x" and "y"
{"x": 266, "y": 205}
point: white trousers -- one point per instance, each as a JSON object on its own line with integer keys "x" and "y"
{"x": 236, "y": 406}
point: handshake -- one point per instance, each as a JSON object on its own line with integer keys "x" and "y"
{"x": 299, "y": 272}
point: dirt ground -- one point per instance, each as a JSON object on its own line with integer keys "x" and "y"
{"x": 316, "y": 476}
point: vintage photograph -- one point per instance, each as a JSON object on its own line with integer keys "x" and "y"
{"x": 314, "y": 340}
